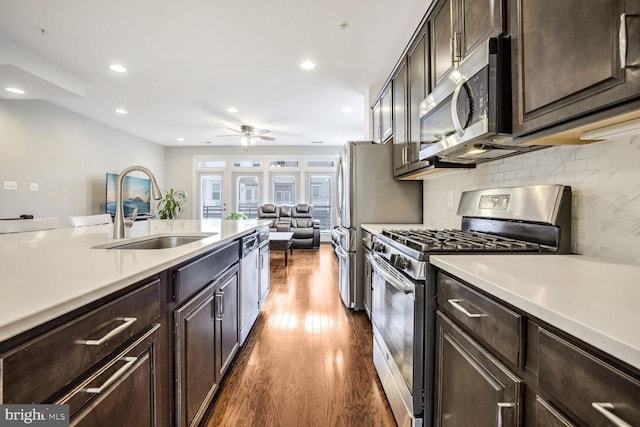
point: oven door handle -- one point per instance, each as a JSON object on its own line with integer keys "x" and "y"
{"x": 404, "y": 286}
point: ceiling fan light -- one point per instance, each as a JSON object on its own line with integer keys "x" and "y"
{"x": 244, "y": 140}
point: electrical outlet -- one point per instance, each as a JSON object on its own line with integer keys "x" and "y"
{"x": 11, "y": 185}
{"x": 33, "y": 186}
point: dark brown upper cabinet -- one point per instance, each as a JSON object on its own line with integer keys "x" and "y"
{"x": 381, "y": 116}
{"x": 457, "y": 27}
{"x": 572, "y": 59}
{"x": 400, "y": 120}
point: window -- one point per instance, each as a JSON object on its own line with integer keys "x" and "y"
{"x": 284, "y": 190}
{"x": 321, "y": 164}
{"x": 283, "y": 163}
{"x": 248, "y": 193}
{"x": 320, "y": 196}
{"x": 211, "y": 163}
{"x": 211, "y": 195}
{"x": 247, "y": 164}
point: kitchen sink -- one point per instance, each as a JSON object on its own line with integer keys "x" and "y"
{"x": 158, "y": 242}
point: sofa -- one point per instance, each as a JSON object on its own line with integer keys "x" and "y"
{"x": 297, "y": 219}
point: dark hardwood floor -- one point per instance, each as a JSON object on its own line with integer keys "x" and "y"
{"x": 308, "y": 360}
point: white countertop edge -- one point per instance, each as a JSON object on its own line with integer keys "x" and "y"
{"x": 29, "y": 320}
{"x": 592, "y": 336}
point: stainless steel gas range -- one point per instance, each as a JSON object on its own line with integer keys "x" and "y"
{"x": 531, "y": 219}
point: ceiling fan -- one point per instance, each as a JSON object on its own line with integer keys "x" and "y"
{"x": 249, "y": 135}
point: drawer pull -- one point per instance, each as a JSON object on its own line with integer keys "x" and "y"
{"x": 113, "y": 378}
{"x": 456, "y": 304}
{"x": 501, "y": 406}
{"x": 126, "y": 322}
{"x": 605, "y": 409}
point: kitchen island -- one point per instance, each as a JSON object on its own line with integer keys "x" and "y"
{"x": 48, "y": 273}
{"x": 149, "y": 331}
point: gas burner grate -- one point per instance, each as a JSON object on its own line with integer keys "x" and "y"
{"x": 456, "y": 240}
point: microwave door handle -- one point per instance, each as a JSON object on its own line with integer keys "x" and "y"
{"x": 454, "y": 107}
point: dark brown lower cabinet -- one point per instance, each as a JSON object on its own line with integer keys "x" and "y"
{"x": 206, "y": 333}
{"x": 546, "y": 415}
{"x": 472, "y": 387}
{"x": 124, "y": 392}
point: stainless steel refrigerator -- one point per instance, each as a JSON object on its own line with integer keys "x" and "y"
{"x": 368, "y": 194}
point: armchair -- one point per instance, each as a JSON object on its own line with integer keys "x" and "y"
{"x": 297, "y": 219}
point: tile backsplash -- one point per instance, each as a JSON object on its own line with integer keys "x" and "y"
{"x": 604, "y": 177}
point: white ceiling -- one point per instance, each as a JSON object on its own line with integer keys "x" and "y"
{"x": 189, "y": 60}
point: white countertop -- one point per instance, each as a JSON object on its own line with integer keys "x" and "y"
{"x": 597, "y": 302}
{"x": 44, "y": 274}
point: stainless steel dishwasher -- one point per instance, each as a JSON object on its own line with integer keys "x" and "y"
{"x": 250, "y": 280}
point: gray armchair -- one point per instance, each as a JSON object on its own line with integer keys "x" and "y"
{"x": 306, "y": 230}
{"x": 297, "y": 219}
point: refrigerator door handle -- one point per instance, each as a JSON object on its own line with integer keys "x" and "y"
{"x": 341, "y": 252}
{"x": 340, "y": 183}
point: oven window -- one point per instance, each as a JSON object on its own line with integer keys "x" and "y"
{"x": 392, "y": 313}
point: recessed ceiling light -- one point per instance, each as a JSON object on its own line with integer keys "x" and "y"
{"x": 180, "y": 139}
{"x": 307, "y": 65}
{"x": 14, "y": 90}
{"x": 347, "y": 109}
{"x": 232, "y": 109}
{"x": 118, "y": 68}
{"x": 121, "y": 111}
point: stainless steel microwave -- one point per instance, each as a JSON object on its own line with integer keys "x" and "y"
{"x": 467, "y": 117}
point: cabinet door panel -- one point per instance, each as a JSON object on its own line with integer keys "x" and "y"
{"x": 580, "y": 71}
{"x": 227, "y": 319}
{"x": 399, "y": 84}
{"x": 584, "y": 52}
{"x": 441, "y": 32}
{"x": 195, "y": 355}
{"x": 480, "y": 20}
{"x": 472, "y": 387}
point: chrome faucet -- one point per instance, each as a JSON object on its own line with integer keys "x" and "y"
{"x": 119, "y": 223}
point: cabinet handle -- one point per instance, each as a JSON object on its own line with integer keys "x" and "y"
{"x": 501, "y": 406}
{"x": 405, "y": 154}
{"x": 220, "y": 296}
{"x": 622, "y": 40}
{"x": 456, "y": 304}
{"x": 605, "y": 409}
{"x": 113, "y": 378}
{"x": 456, "y": 50}
{"x": 127, "y": 321}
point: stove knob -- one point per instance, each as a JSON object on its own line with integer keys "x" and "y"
{"x": 378, "y": 247}
{"x": 398, "y": 261}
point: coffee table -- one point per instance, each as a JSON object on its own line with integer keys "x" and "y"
{"x": 281, "y": 241}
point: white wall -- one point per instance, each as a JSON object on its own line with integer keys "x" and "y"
{"x": 605, "y": 179}
{"x": 180, "y": 161}
{"x": 67, "y": 155}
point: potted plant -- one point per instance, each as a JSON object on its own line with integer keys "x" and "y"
{"x": 237, "y": 215}
{"x": 172, "y": 204}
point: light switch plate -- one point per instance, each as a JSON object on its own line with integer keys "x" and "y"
{"x": 33, "y": 186}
